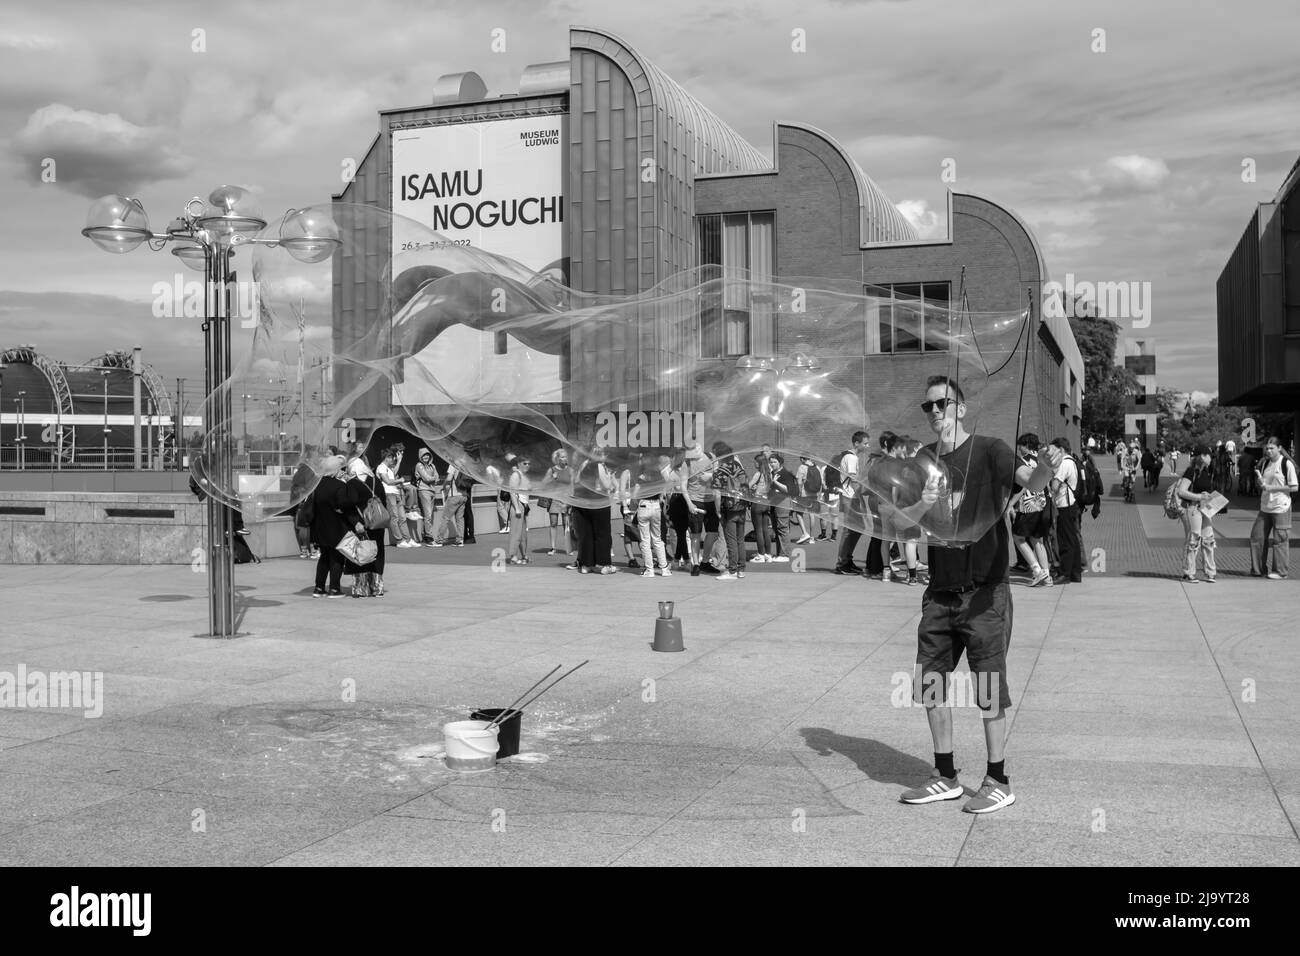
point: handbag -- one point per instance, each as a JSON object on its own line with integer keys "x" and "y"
{"x": 357, "y": 551}
{"x": 375, "y": 515}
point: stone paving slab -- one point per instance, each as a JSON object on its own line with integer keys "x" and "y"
{"x": 774, "y": 738}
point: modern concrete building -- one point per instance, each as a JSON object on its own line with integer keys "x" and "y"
{"x": 1140, "y": 415}
{"x": 651, "y": 182}
{"x": 1259, "y": 308}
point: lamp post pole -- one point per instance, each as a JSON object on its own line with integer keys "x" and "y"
{"x": 103, "y": 373}
{"x": 21, "y": 404}
{"x": 206, "y": 236}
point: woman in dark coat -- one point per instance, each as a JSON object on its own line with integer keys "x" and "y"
{"x": 333, "y": 505}
{"x": 362, "y": 486}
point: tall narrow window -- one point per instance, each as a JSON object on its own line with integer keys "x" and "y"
{"x": 908, "y": 312}
{"x": 708, "y": 241}
{"x": 938, "y": 321}
{"x": 740, "y": 317}
{"x": 735, "y": 288}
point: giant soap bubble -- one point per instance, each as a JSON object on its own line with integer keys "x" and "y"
{"x": 488, "y": 364}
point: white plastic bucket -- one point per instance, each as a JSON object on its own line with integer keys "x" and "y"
{"x": 469, "y": 745}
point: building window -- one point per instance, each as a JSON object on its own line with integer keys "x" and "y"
{"x": 736, "y": 315}
{"x": 908, "y": 317}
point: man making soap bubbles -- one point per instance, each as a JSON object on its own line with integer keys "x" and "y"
{"x": 967, "y": 606}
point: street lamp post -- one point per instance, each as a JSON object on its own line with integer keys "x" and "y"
{"x": 103, "y": 373}
{"x": 20, "y": 403}
{"x": 206, "y": 236}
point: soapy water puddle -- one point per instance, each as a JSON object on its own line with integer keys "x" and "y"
{"x": 400, "y": 745}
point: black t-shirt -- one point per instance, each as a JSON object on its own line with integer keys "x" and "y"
{"x": 981, "y": 474}
{"x": 791, "y": 483}
{"x": 1204, "y": 481}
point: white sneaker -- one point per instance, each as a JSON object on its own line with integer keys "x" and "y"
{"x": 666, "y": 573}
{"x": 760, "y": 559}
{"x": 647, "y": 573}
{"x": 779, "y": 559}
{"x": 726, "y": 576}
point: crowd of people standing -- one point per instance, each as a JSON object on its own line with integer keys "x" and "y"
{"x": 698, "y": 510}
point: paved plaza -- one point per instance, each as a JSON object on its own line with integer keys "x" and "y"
{"x": 1153, "y": 722}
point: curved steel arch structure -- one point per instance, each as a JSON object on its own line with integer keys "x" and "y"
{"x": 121, "y": 358}
{"x": 65, "y": 444}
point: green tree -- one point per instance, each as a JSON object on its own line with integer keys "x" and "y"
{"x": 1214, "y": 423}
{"x": 1106, "y": 386}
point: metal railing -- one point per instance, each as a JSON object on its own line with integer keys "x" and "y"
{"x": 122, "y": 458}
{"x": 92, "y": 458}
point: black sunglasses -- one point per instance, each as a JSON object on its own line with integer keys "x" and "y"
{"x": 939, "y": 403}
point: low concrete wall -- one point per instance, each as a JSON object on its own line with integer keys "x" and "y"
{"x": 119, "y": 482}
{"x": 52, "y": 527}
{"x": 96, "y": 527}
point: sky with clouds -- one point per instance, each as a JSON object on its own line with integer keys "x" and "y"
{"x": 1127, "y": 163}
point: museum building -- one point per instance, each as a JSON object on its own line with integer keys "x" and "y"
{"x": 625, "y": 180}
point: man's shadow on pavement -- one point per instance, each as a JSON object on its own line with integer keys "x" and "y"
{"x": 877, "y": 761}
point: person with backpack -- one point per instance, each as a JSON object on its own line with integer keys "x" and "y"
{"x": 1031, "y": 525}
{"x": 1194, "y": 490}
{"x": 810, "y": 501}
{"x": 1090, "y": 487}
{"x": 1064, "y": 488}
{"x": 729, "y": 484}
{"x": 1145, "y": 463}
{"x": 760, "y": 486}
{"x": 1277, "y": 480}
{"x": 832, "y": 480}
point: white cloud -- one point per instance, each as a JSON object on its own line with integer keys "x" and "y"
{"x": 1124, "y": 175}
{"x": 97, "y": 153}
{"x": 26, "y": 41}
{"x": 929, "y": 223}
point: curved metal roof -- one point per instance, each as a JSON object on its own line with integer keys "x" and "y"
{"x": 881, "y": 220}
{"x": 718, "y": 147}
{"x": 62, "y": 394}
{"x": 122, "y": 359}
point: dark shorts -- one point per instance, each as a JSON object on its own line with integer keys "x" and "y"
{"x": 705, "y": 521}
{"x": 976, "y": 623}
{"x": 1033, "y": 524}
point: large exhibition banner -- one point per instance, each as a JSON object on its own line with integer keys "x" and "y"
{"x": 497, "y": 185}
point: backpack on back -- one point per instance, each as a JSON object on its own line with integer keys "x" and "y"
{"x": 730, "y": 499}
{"x": 812, "y": 483}
{"x": 1173, "y": 504}
{"x": 1089, "y": 485}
